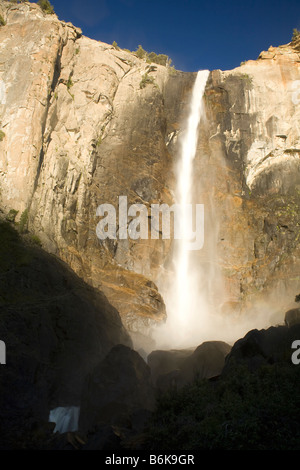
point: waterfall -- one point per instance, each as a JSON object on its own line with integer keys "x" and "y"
{"x": 184, "y": 278}
{"x": 186, "y": 298}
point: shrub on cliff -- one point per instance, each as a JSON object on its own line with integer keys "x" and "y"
{"x": 161, "y": 59}
{"x": 140, "y": 52}
{"x": 296, "y": 34}
{"x": 23, "y": 224}
{"x": 146, "y": 80}
{"x": 46, "y": 6}
{"x": 2, "y": 21}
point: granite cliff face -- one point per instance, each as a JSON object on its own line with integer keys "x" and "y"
{"x": 253, "y": 132}
{"x": 87, "y": 133}
{"x": 85, "y": 123}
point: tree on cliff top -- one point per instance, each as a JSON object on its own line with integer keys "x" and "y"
{"x": 46, "y": 6}
{"x": 161, "y": 59}
{"x": 296, "y": 34}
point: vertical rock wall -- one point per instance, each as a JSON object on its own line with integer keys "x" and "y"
{"x": 83, "y": 123}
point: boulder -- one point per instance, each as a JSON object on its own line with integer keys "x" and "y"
{"x": 292, "y": 317}
{"x": 162, "y": 362}
{"x": 207, "y": 361}
{"x": 179, "y": 367}
{"x": 117, "y": 389}
{"x": 259, "y": 347}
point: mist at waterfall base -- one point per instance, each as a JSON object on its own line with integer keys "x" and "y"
{"x": 194, "y": 293}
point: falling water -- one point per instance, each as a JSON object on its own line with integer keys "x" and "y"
{"x": 183, "y": 275}
{"x": 186, "y": 304}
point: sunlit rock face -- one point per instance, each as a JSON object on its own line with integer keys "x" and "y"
{"x": 81, "y": 130}
{"x": 253, "y": 133}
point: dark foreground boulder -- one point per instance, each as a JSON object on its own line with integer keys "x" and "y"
{"x": 262, "y": 347}
{"x": 116, "y": 392}
{"x": 207, "y": 361}
{"x": 178, "y": 368}
{"x": 162, "y": 362}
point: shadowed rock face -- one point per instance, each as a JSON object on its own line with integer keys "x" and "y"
{"x": 80, "y": 131}
{"x": 56, "y": 329}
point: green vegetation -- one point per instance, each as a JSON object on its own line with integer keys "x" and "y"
{"x": 35, "y": 240}
{"x": 11, "y": 216}
{"x": 69, "y": 86}
{"x": 296, "y": 34}
{"x": 23, "y": 224}
{"x": 243, "y": 411}
{"x": 140, "y": 52}
{"x": 151, "y": 57}
{"x": 46, "y": 6}
{"x": 161, "y": 59}
{"x": 172, "y": 70}
{"x": 2, "y": 135}
{"x": 69, "y": 83}
{"x": 2, "y": 21}
{"x": 146, "y": 80}
{"x": 245, "y": 76}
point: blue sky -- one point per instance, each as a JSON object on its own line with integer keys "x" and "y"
{"x": 196, "y": 35}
